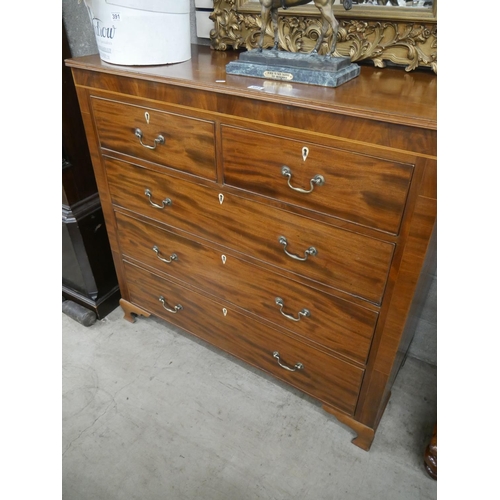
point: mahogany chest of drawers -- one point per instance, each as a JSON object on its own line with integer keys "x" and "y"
{"x": 286, "y": 224}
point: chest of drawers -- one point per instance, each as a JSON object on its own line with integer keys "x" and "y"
{"x": 286, "y": 224}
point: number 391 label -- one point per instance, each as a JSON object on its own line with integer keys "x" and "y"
{"x": 115, "y": 16}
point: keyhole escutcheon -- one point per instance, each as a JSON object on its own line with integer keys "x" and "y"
{"x": 305, "y": 153}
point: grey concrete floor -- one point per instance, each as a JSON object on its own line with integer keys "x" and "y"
{"x": 150, "y": 413}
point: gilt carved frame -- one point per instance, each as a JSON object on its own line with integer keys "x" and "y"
{"x": 403, "y": 37}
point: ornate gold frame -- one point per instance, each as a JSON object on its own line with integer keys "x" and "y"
{"x": 403, "y": 37}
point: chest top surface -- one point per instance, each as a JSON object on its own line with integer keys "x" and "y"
{"x": 388, "y": 95}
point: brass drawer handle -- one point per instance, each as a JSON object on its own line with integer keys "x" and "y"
{"x": 165, "y": 203}
{"x": 168, "y": 261}
{"x": 310, "y": 251}
{"x": 317, "y": 180}
{"x": 175, "y": 310}
{"x": 159, "y": 140}
{"x": 304, "y": 312}
{"x": 298, "y": 366}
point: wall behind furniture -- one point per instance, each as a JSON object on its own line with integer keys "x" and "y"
{"x": 82, "y": 42}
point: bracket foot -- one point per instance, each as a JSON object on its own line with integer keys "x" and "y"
{"x": 365, "y": 434}
{"x": 131, "y": 309}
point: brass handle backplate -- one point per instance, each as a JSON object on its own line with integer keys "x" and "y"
{"x": 310, "y": 251}
{"x": 173, "y": 257}
{"x": 279, "y": 302}
{"x": 159, "y": 140}
{"x": 297, "y": 366}
{"x": 175, "y": 310}
{"x": 165, "y": 203}
{"x": 317, "y": 180}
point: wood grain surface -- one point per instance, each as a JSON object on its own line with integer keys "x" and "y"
{"x": 334, "y": 323}
{"x": 227, "y": 138}
{"x": 360, "y": 188}
{"x": 327, "y": 378}
{"x": 345, "y": 260}
{"x": 189, "y": 143}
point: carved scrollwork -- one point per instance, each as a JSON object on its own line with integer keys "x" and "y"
{"x": 411, "y": 44}
{"x": 229, "y": 26}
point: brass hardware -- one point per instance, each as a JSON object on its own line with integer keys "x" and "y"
{"x": 165, "y": 203}
{"x": 159, "y": 140}
{"x": 224, "y": 259}
{"x": 221, "y": 198}
{"x": 168, "y": 261}
{"x": 310, "y": 251}
{"x": 317, "y": 180}
{"x": 175, "y": 310}
{"x": 224, "y": 311}
{"x": 281, "y": 304}
{"x": 146, "y": 115}
{"x": 297, "y": 366}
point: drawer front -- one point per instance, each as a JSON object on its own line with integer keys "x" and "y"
{"x": 342, "y": 259}
{"x": 329, "y": 321}
{"x": 189, "y": 143}
{"x": 354, "y": 187}
{"x": 324, "y": 377}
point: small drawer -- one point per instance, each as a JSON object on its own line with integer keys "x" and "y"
{"x": 334, "y": 323}
{"x": 168, "y": 139}
{"x": 344, "y": 260}
{"x": 358, "y": 188}
{"x": 332, "y": 381}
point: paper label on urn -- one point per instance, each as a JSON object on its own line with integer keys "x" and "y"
{"x": 278, "y": 75}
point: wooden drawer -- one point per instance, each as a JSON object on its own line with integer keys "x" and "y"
{"x": 332, "y": 322}
{"x": 358, "y": 188}
{"x": 324, "y": 377}
{"x": 189, "y": 143}
{"x": 347, "y": 261}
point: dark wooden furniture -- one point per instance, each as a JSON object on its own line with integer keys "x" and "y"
{"x": 431, "y": 455}
{"x": 203, "y": 180}
{"x": 88, "y": 274}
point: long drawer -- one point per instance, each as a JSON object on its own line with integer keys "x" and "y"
{"x": 341, "y": 259}
{"x": 360, "y": 188}
{"x": 324, "y": 377}
{"x": 175, "y": 141}
{"x": 329, "y": 321}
